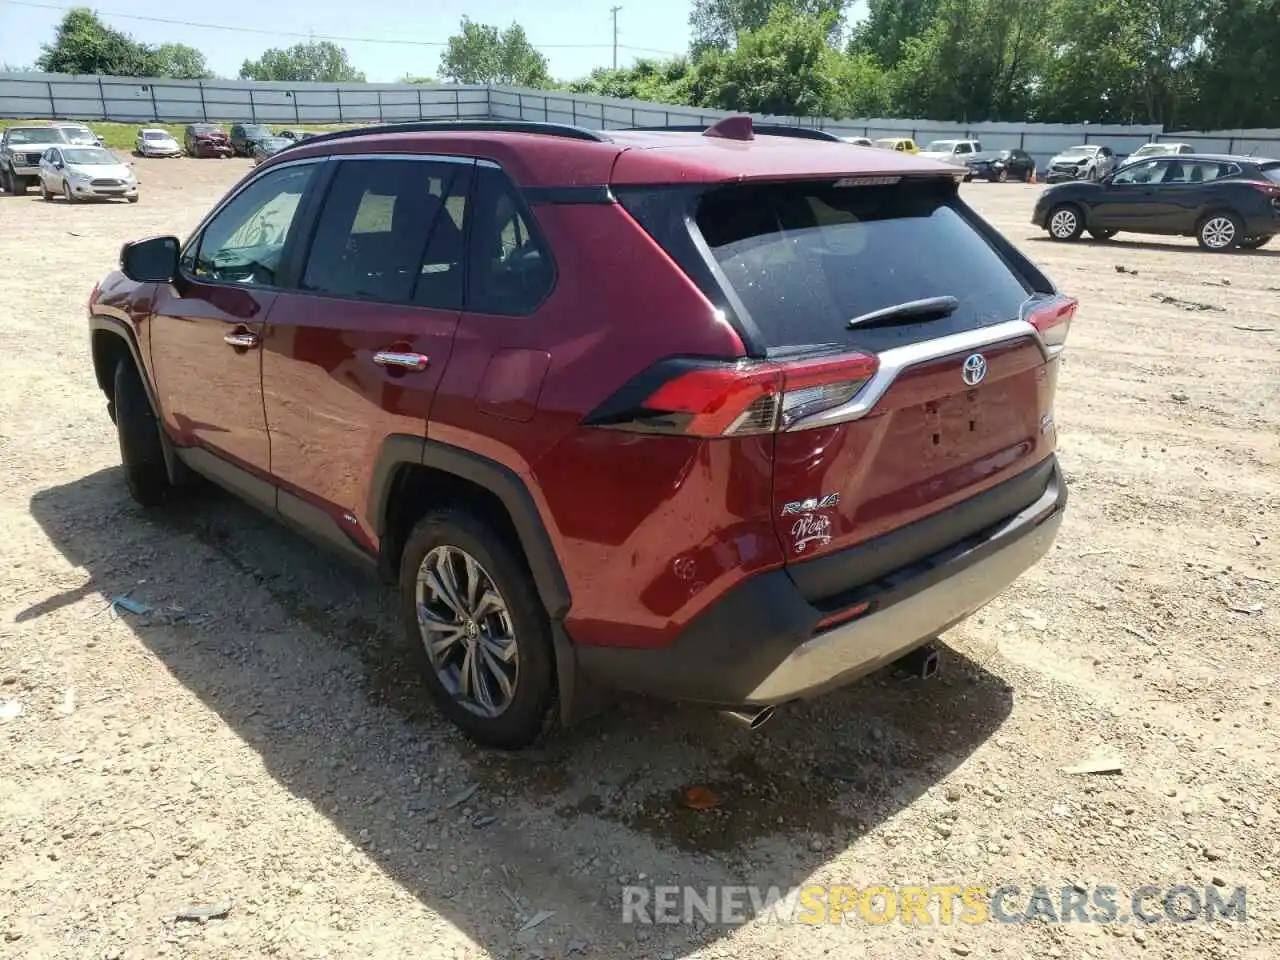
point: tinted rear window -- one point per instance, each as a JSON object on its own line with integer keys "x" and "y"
{"x": 1272, "y": 172}
{"x": 806, "y": 258}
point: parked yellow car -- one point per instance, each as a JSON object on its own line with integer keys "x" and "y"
{"x": 901, "y": 144}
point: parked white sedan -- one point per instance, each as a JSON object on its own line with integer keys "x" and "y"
{"x": 85, "y": 173}
{"x": 157, "y": 143}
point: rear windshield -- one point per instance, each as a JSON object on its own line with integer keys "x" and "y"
{"x": 806, "y": 258}
{"x": 1272, "y": 171}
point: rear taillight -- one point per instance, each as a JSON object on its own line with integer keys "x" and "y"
{"x": 1272, "y": 190}
{"x": 1052, "y": 320}
{"x": 734, "y": 399}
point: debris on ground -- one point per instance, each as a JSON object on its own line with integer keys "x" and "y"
{"x": 540, "y": 917}
{"x": 1121, "y": 268}
{"x": 128, "y": 605}
{"x": 700, "y": 798}
{"x": 10, "y": 709}
{"x": 1179, "y": 396}
{"x": 1095, "y": 765}
{"x": 1188, "y": 304}
{"x": 465, "y": 794}
{"x": 199, "y": 914}
{"x": 1236, "y": 326}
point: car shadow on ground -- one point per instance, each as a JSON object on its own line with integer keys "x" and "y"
{"x": 352, "y": 734}
{"x": 1124, "y": 242}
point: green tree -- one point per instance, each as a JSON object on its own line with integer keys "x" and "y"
{"x": 82, "y": 43}
{"x": 976, "y": 60}
{"x": 657, "y": 81}
{"x": 784, "y": 67}
{"x": 181, "y": 61}
{"x": 411, "y": 78}
{"x": 1238, "y": 77}
{"x": 320, "y": 60}
{"x": 1122, "y": 61}
{"x": 888, "y": 25}
{"x": 481, "y": 53}
{"x": 718, "y": 24}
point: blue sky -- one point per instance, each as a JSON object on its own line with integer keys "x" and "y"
{"x": 645, "y": 28}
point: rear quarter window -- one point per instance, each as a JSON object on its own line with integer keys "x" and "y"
{"x": 806, "y": 258}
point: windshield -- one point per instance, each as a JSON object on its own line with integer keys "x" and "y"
{"x": 1078, "y": 152}
{"x": 941, "y": 146}
{"x": 807, "y": 257}
{"x": 1149, "y": 149}
{"x": 1272, "y": 172}
{"x": 82, "y": 132}
{"x": 154, "y": 135}
{"x": 251, "y": 130}
{"x": 36, "y": 135}
{"x": 205, "y": 128}
{"x": 88, "y": 155}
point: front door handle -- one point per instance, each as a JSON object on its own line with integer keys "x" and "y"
{"x": 241, "y": 341}
{"x": 404, "y": 361}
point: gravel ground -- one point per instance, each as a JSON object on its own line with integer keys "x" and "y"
{"x": 253, "y": 740}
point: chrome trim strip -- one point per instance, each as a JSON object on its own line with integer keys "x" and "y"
{"x": 894, "y": 362}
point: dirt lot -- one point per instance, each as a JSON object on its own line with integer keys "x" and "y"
{"x": 252, "y": 740}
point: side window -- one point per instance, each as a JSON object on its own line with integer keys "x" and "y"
{"x": 1146, "y": 171}
{"x": 244, "y": 242}
{"x": 1106, "y": 152}
{"x": 510, "y": 269}
{"x": 392, "y": 230}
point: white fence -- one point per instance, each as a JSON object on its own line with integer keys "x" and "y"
{"x": 133, "y": 100}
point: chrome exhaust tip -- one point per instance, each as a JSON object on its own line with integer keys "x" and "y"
{"x": 753, "y": 718}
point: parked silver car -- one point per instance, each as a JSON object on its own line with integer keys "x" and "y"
{"x": 155, "y": 142}
{"x": 85, "y": 173}
{"x": 80, "y": 135}
{"x": 20, "y": 150}
{"x": 1089, "y": 161}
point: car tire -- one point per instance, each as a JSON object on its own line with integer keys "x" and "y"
{"x": 1065, "y": 222}
{"x": 1099, "y": 234}
{"x": 481, "y": 560}
{"x": 138, "y": 430}
{"x": 1002, "y": 175}
{"x": 66, "y": 192}
{"x": 44, "y": 192}
{"x": 17, "y": 185}
{"x": 132, "y": 199}
{"x": 1253, "y": 243}
{"x": 1219, "y": 231}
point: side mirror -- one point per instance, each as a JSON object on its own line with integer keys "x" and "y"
{"x": 153, "y": 260}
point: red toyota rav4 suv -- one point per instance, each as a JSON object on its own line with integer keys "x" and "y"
{"x": 726, "y": 417}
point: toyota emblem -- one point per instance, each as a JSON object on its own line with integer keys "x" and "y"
{"x": 974, "y": 369}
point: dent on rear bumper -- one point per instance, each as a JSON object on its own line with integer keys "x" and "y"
{"x": 759, "y": 645}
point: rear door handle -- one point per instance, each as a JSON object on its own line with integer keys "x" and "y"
{"x": 404, "y": 361}
{"x": 241, "y": 341}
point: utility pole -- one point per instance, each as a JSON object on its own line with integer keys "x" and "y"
{"x": 614, "y": 12}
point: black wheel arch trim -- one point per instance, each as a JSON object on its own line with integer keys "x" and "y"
{"x": 402, "y": 449}
{"x": 98, "y": 323}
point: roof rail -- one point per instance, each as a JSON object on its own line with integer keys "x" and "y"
{"x": 461, "y": 126}
{"x": 763, "y": 129}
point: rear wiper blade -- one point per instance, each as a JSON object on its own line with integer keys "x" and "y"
{"x": 911, "y": 310}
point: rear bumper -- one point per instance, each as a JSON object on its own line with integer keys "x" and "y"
{"x": 760, "y": 644}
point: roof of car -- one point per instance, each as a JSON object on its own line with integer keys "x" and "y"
{"x": 619, "y": 157}
{"x": 1215, "y": 157}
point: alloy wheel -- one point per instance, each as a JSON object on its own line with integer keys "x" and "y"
{"x": 1064, "y": 223}
{"x": 467, "y": 631}
{"x": 1219, "y": 232}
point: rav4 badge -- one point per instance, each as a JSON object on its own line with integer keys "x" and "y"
{"x": 813, "y": 503}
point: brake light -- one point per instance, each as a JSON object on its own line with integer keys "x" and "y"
{"x": 1052, "y": 320}
{"x": 743, "y": 398}
{"x": 1270, "y": 189}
